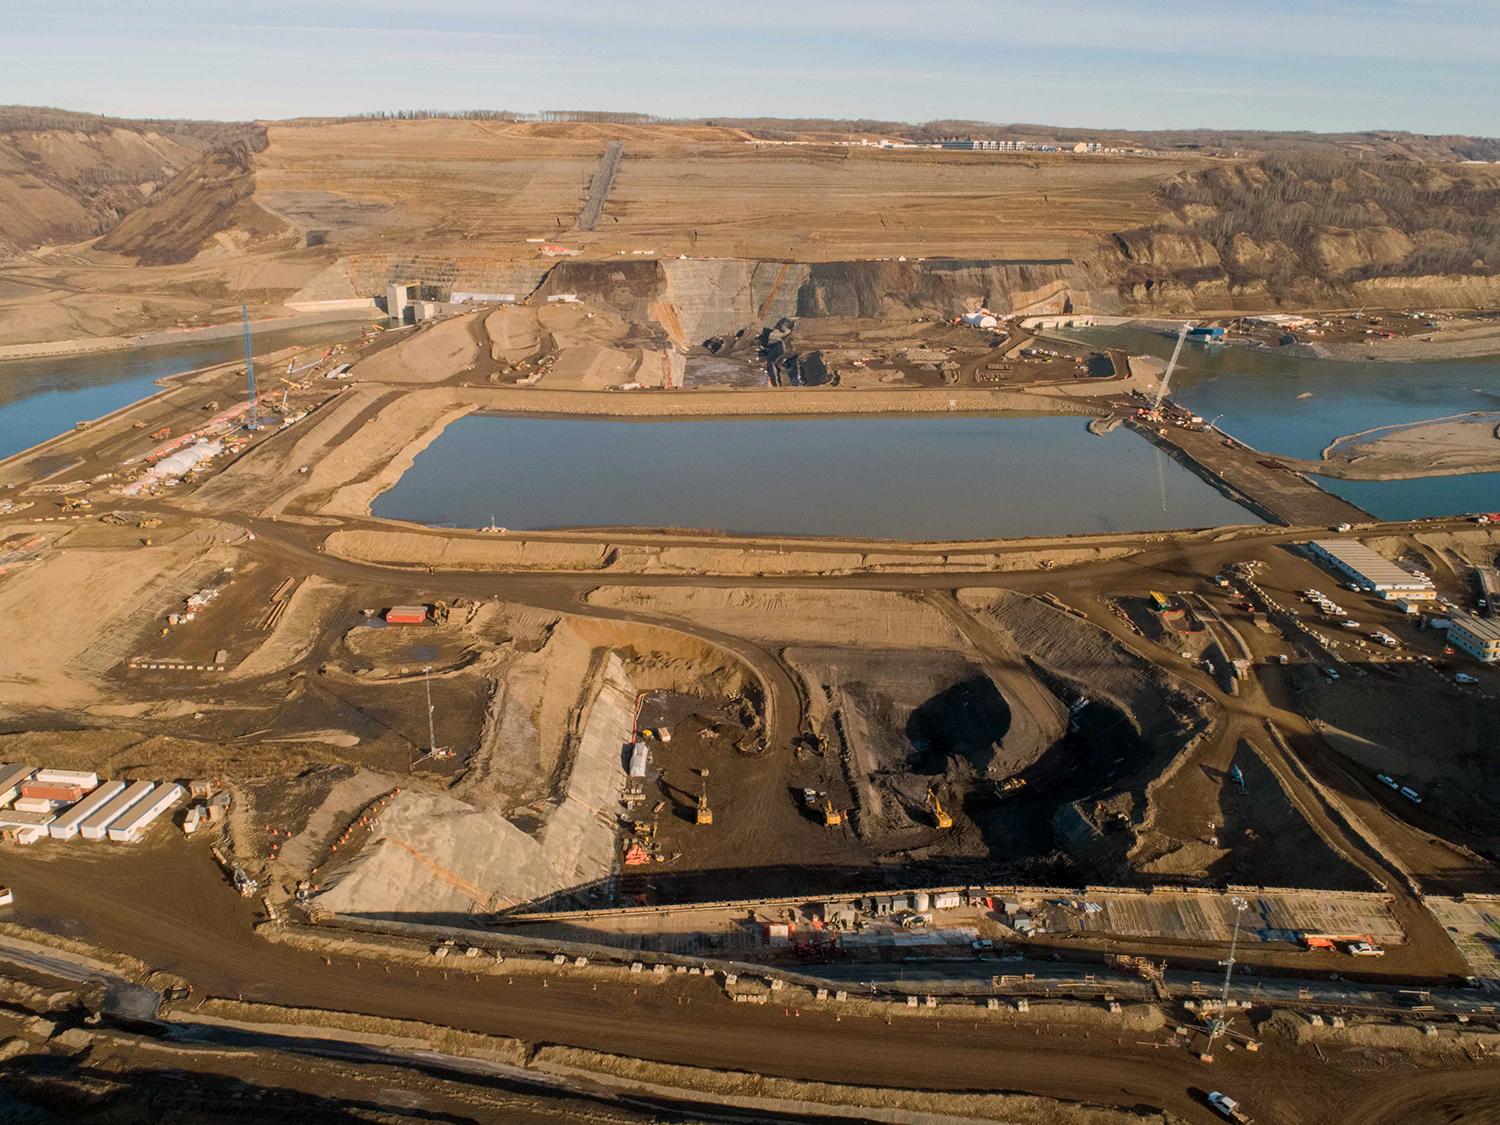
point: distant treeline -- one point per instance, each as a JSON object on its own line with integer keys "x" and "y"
{"x": 594, "y": 116}
{"x": 1377, "y": 143}
{"x": 199, "y": 134}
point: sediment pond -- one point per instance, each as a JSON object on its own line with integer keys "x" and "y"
{"x": 931, "y": 478}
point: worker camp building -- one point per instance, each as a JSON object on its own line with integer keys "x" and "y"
{"x": 1477, "y": 636}
{"x": 1368, "y": 569}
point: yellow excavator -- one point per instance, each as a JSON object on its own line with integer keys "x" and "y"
{"x": 940, "y": 815}
{"x": 705, "y": 814}
{"x": 832, "y": 817}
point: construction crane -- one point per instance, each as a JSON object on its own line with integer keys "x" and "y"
{"x": 254, "y": 423}
{"x": 1166, "y": 379}
{"x": 434, "y": 751}
{"x": 705, "y": 814}
{"x": 939, "y": 814}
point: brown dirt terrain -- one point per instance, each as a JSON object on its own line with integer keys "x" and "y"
{"x": 467, "y": 204}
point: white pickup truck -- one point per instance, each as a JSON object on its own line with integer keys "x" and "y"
{"x": 1229, "y": 1109}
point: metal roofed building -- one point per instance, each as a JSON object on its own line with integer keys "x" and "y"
{"x": 94, "y": 827}
{"x": 129, "y": 828}
{"x": 66, "y": 826}
{"x": 11, "y": 777}
{"x": 1371, "y": 570}
{"x": 1478, "y": 636}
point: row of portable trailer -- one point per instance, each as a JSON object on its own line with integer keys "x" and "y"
{"x": 79, "y": 805}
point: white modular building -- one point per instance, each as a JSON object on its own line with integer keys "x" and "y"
{"x": 65, "y": 827}
{"x": 1477, "y": 636}
{"x": 10, "y": 782}
{"x": 129, "y": 828}
{"x": 1372, "y": 571}
{"x": 84, "y": 779}
{"x": 96, "y": 826}
{"x": 15, "y": 818}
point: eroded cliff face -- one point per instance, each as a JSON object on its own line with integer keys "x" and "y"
{"x": 1316, "y": 231}
{"x": 66, "y": 177}
{"x": 211, "y": 197}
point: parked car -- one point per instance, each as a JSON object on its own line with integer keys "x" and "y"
{"x": 1387, "y": 780}
{"x": 1364, "y": 949}
{"x": 1411, "y": 794}
{"x": 1464, "y": 678}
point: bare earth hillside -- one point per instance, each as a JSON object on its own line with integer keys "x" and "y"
{"x": 117, "y": 228}
{"x": 70, "y": 176}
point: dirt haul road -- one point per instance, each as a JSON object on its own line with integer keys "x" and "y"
{"x": 108, "y": 899}
{"x": 1429, "y": 954}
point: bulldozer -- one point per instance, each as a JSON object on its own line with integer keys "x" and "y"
{"x": 940, "y": 815}
{"x": 76, "y": 503}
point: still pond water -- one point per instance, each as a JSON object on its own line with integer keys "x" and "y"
{"x": 898, "y": 478}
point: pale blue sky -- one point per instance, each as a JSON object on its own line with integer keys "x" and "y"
{"x": 1430, "y": 66}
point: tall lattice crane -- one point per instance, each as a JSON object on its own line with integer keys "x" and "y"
{"x": 250, "y": 370}
{"x": 1166, "y": 379}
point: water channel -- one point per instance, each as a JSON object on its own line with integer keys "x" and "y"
{"x": 1295, "y": 406}
{"x": 41, "y": 398}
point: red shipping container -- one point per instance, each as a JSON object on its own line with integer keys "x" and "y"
{"x": 51, "y": 791}
{"x": 406, "y": 614}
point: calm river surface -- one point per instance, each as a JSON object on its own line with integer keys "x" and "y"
{"x": 41, "y": 398}
{"x": 1258, "y": 396}
{"x": 899, "y": 478}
